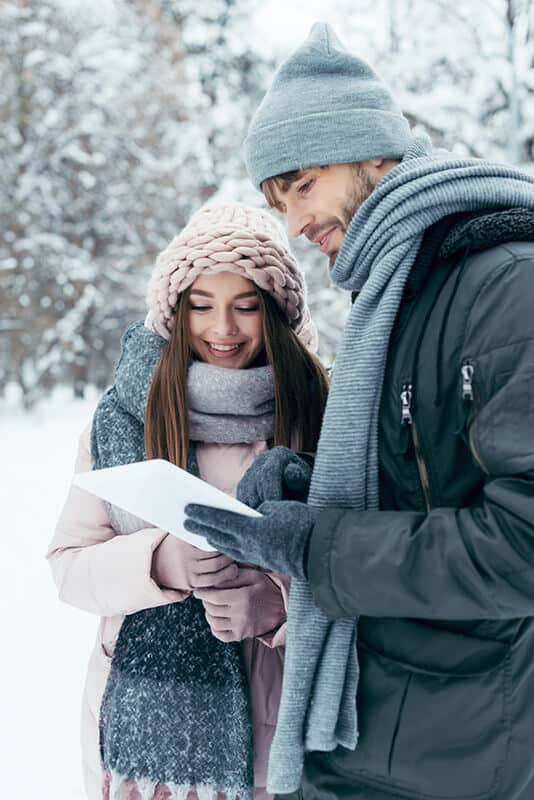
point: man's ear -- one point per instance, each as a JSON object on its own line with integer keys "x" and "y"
{"x": 380, "y": 166}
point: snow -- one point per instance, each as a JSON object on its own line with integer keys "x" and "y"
{"x": 46, "y": 643}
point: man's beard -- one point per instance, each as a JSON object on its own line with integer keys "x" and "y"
{"x": 362, "y": 186}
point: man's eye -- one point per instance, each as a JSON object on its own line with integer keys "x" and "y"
{"x": 305, "y": 187}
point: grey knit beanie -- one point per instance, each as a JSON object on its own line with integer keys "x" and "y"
{"x": 324, "y": 106}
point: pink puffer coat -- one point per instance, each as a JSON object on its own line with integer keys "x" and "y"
{"x": 109, "y": 575}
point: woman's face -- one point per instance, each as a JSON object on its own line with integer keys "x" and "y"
{"x": 225, "y": 320}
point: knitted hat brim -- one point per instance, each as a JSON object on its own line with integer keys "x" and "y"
{"x": 360, "y": 134}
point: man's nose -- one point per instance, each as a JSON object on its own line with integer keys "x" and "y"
{"x": 297, "y": 222}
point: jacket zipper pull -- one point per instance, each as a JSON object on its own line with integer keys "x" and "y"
{"x": 406, "y": 418}
{"x": 467, "y": 382}
{"x": 466, "y": 371}
{"x": 406, "y": 404}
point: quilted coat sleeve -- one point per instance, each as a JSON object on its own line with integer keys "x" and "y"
{"x": 474, "y": 562}
{"x": 94, "y": 568}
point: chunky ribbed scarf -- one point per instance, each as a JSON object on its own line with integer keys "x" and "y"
{"x": 318, "y": 704}
{"x": 175, "y": 710}
{"x": 230, "y": 405}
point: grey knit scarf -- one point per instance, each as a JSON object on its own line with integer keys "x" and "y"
{"x": 318, "y": 705}
{"x": 230, "y": 405}
{"x": 175, "y": 710}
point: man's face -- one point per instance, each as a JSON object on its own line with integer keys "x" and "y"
{"x": 322, "y": 201}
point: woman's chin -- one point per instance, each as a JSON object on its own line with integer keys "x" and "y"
{"x": 237, "y": 361}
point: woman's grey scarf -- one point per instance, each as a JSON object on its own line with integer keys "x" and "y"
{"x": 318, "y": 706}
{"x": 230, "y": 405}
{"x": 176, "y": 707}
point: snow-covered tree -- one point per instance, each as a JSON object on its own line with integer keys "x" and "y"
{"x": 228, "y": 77}
{"x": 464, "y": 72}
{"x": 120, "y": 117}
{"x": 112, "y": 133}
{"x": 91, "y": 157}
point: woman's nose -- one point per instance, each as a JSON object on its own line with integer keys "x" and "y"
{"x": 225, "y": 323}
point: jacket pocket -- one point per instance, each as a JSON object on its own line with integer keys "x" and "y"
{"x": 427, "y": 734}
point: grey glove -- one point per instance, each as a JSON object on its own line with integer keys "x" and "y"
{"x": 277, "y": 474}
{"x": 276, "y": 541}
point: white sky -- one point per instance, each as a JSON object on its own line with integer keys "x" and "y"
{"x": 283, "y": 25}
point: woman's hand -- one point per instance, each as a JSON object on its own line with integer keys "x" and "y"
{"x": 251, "y": 605}
{"x": 179, "y": 565}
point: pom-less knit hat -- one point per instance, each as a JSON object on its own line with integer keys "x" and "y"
{"x": 230, "y": 238}
{"x": 324, "y": 106}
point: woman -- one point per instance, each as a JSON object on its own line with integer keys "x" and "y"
{"x": 186, "y": 674}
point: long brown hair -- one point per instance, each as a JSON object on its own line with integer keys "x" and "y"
{"x": 300, "y": 387}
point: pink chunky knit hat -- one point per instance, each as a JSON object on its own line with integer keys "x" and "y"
{"x": 230, "y": 238}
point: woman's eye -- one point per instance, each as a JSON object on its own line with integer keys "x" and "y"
{"x": 199, "y": 308}
{"x": 248, "y": 309}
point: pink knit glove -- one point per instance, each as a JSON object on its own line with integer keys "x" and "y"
{"x": 178, "y": 565}
{"x": 250, "y": 605}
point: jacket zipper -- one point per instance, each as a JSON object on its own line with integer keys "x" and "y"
{"x": 467, "y": 370}
{"x": 408, "y": 421}
{"x": 468, "y": 396}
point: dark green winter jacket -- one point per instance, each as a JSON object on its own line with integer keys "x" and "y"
{"x": 443, "y": 575}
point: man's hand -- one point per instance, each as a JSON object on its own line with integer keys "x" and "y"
{"x": 275, "y": 541}
{"x": 248, "y": 606}
{"x": 277, "y": 474}
{"x": 178, "y": 565}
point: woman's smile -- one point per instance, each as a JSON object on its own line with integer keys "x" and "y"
{"x": 224, "y": 350}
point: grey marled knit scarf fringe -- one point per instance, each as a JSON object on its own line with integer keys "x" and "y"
{"x": 318, "y": 706}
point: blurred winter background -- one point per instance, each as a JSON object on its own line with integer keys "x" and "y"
{"x": 117, "y": 119}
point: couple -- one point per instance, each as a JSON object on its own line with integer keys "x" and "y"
{"x": 409, "y": 623}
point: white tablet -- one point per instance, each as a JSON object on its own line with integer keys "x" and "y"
{"x": 157, "y": 491}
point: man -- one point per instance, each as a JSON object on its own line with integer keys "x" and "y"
{"x": 420, "y": 516}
